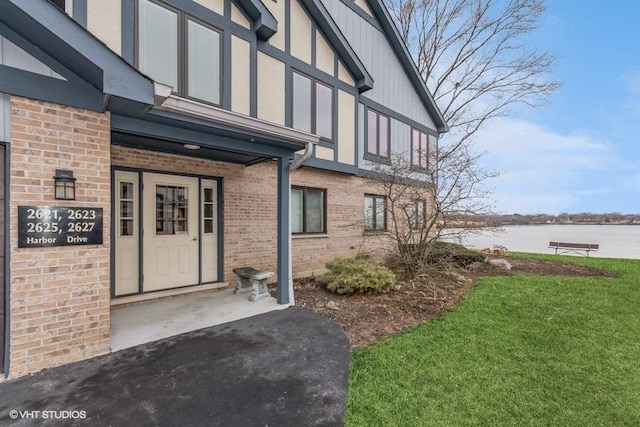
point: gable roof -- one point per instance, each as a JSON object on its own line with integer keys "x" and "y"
{"x": 338, "y": 41}
{"x": 405, "y": 58}
{"x": 71, "y": 49}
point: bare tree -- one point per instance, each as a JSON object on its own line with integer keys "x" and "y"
{"x": 420, "y": 208}
{"x": 476, "y": 58}
{"x": 478, "y": 64}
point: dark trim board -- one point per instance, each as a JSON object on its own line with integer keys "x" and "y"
{"x": 165, "y": 128}
{"x": 332, "y": 166}
{"x": 395, "y": 115}
{"x": 35, "y": 86}
{"x": 80, "y": 12}
{"x": 4, "y": 243}
{"x": 339, "y": 43}
{"x": 351, "y": 4}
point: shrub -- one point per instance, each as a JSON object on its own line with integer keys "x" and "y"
{"x": 440, "y": 253}
{"x": 450, "y": 252}
{"x": 349, "y": 275}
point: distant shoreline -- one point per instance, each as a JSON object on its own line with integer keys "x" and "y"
{"x": 498, "y": 225}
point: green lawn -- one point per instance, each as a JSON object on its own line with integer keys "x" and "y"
{"x": 520, "y": 350}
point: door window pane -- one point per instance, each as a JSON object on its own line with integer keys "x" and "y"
{"x": 208, "y": 195}
{"x": 208, "y": 211}
{"x": 203, "y": 63}
{"x": 301, "y": 102}
{"x": 126, "y": 209}
{"x": 171, "y": 210}
{"x": 158, "y": 43}
{"x": 324, "y": 111}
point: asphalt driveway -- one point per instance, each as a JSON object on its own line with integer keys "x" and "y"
{"x": 284, "y": 368}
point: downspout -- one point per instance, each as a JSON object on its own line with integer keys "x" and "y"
{"x": 295, "y": 164}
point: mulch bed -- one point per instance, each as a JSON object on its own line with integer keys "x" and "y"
{"x": 367, "y": 318}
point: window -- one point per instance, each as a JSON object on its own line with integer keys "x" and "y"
{"x": 419, "y": 151}
{"x": 375, "y": 213}
{"x": 416, "y": 218}
{"x": 171, "y": 210}
{"x": 312, "y": 106}
{"x": 126, "y": 208}
{"x": 308, "y": 210}
{"x": 208, "y": 211}
{"x": 64, "y": 5}
{"x": 175, "y": 49}
{"x": 378, "y": 134}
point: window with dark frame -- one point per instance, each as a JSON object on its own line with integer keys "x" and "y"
{"x": 375, "y": 213}
{"x": 308, "y": 210}
{"x": 60, "y": 4}
{"x": 312, "y": 106}
{"x": 378, "y": 134}
{"x": 420, "y": 150}
{"x": 179, "y": 50}
{"x": 416, "y": 219}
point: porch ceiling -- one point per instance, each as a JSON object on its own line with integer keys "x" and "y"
{"x": 177, "y": 147}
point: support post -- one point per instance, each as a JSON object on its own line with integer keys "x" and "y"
{"x": 284, "y": 230}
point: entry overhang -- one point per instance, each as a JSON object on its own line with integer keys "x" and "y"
{"x": 221, "y": 134}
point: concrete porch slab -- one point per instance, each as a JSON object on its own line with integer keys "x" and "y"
{"x": 150, "y": 321}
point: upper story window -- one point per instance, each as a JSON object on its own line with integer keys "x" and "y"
{"x": 176, "y": 49}
{"x": 312, "y": 106}
{"x": 378, "y": 134}
{"x": 419, "y": 151}
{"x": 64, "y": 5}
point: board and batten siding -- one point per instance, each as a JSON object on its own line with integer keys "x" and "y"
{"x": 392, "y": 87}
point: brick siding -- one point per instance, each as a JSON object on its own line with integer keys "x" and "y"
{"x": 250, "y": 212}
{"x": 59, "y": 298}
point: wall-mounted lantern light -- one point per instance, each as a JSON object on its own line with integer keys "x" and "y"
{"x": 65, "y": 185}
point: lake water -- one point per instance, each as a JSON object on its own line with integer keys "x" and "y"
{"x": 616, "y": 241}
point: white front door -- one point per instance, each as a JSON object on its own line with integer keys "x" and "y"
{"x": 170, "y": 232}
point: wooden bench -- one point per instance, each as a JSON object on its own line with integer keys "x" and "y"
{"x": 254, "y": 281}
{"x": 576, "y": 248}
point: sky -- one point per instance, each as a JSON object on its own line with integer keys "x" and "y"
{"x": 580, "y": 151}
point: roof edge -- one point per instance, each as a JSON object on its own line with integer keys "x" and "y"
{"x": 389, "y": 27}
{"x": 338, "y": 41}
{"x": 74, "y": 46}
{"x": 264, "y": 23}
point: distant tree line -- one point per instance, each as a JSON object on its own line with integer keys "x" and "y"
{"x": 563, "y": 218}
